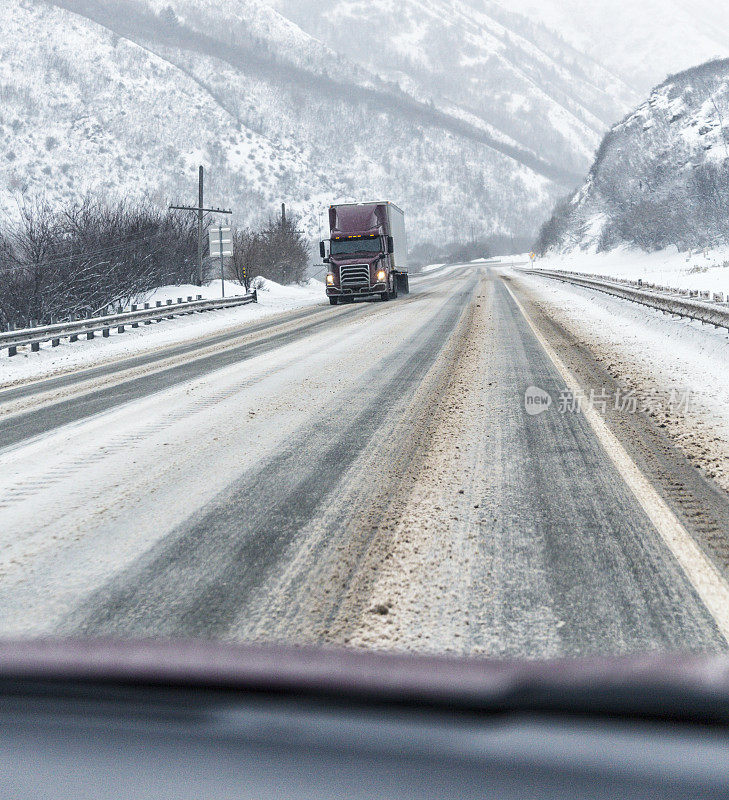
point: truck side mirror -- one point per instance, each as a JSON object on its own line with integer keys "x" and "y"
{"x": 322, "y": 250}
{"x": 390, "y": 245}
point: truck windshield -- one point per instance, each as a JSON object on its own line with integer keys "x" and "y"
{"x": 342, "y": 247}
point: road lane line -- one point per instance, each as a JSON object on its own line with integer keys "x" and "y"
{"x": 709, "y": 583}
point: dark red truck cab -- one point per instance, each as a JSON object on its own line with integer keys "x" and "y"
{"x": 366, "y": 254}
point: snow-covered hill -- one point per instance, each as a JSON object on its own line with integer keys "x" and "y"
{"x": 486, "y": 64}
{"x": 660, "y": 175}
{"x": 472, "y": 117}
{"x": 86, "y": 110}
{"x": 127, "y": 98}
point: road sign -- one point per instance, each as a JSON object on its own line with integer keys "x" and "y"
{"x": 220, "y": 237}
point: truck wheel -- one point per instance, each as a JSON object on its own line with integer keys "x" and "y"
{"x": 385, "y": 296}
{"x": 333, "y": 301}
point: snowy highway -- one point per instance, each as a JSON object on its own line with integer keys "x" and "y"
{"x": 367, "y": 474}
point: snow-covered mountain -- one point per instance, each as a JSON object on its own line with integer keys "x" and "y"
{"x": 127, "y": 97}
{"x": 84, "y": 109}
{"x": 479, "y": 61}
{"x": 660, "y": 175}
{"x": 471, "y": 116}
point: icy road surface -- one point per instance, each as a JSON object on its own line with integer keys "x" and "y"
{"x": 366, "y": 475}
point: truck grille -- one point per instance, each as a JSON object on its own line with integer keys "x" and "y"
{"x": 354, "y": 275}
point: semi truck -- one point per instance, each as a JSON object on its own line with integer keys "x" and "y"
{"x": 366, "y": 252}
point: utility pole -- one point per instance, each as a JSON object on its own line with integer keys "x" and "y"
{"x": 201, "y": 211}
{"x": 222, "y": 267}
{"x": 200, "y": 204}
{"x": 283, "y": 227}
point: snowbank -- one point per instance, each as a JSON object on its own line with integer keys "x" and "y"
{"x": 705, "y": 270}
{"x": 274, "y": 296}
{"x": 68, "y": 357}
{"x": 210, "y": 291}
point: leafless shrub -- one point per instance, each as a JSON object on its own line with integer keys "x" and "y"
{"x": 279, "y": 252}
{"x": 285, "y": 252}
{"x": 247, "y": 255}
{"x": 59, "y": 64}
{"x": 89, "y": 257}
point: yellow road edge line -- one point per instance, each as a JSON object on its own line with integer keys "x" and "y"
{"x": 709, "y": 583}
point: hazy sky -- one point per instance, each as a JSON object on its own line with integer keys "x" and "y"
{"x": 641, "y": 40}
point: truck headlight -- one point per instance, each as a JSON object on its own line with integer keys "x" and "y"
{"x": 381, "y": 276}
{"x": 330, "y": 279}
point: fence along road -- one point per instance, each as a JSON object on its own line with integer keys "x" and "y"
{"x": 716, "y": 313}
{"x": 34, "y": 337}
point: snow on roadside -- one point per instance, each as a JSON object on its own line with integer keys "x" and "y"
{"x": 210, "y": 291}
{"x": 705, "y": 270}
{"x": 68, "y": 357}
{"x": 654, "y": 354}
{"x": 273, "y": 295}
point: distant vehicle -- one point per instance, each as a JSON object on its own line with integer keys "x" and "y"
{"x": 367, "y": 252}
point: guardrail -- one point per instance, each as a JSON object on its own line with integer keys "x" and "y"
{"x": 34, "y": 337}
{"x": 670, "y": 301}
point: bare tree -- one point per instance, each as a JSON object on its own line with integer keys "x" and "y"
{"x": 285, "y": 251}
{"x": 89, "y": 257}
{"x": 247, "y": 256}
